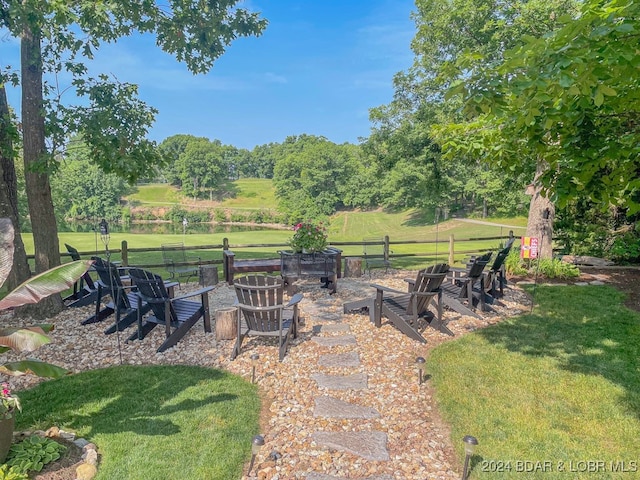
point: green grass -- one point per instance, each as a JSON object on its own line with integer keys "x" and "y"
{"x": 344, "y": 227}
{"x": 252, "y": 193}
{"x": 155, "y": 194}
{"x": 559, "y": 385}
{"x": 159, "y": 422}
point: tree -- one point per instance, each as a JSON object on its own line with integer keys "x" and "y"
{"x": 195, "y": 31}
{"x": 81, "y": 189}
{"x": 9, "y": 191}
{"x": 202, "y": 167}
{"x": 573, "y": 99}
{"x": 311, "y": 181}
{"x": 447, "y": 30}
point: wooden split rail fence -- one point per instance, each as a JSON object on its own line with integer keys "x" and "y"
{"x": 242, "y": 261}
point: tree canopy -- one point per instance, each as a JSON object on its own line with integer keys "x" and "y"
{"x": 571, "y": 97}
{"x": 57, "y": 36}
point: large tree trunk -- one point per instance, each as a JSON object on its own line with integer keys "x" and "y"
{"x": 43, "y": 221}
{"x": 541, "y": 215}
{"x": 9, "y": 193}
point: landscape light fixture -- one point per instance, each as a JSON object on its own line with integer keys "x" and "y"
{"x": 254, "y": 363}
{"x": 470, "y": 444}
{"x": 256, "y": 444}
{"x": 420, "y": 362}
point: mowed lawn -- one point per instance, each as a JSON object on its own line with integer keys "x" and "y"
{"x": 558, "y": 388}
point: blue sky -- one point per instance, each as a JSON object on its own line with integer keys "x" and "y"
{"x": 317, "y": 69}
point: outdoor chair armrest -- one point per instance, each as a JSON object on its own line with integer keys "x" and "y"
{"x": 294, "y": 300}
{"x": 194, "y": 294}
{"x": 386, "y": 289}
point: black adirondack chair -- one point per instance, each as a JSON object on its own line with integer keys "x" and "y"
{"x": 85, "y": 290}
{"x": 123, "y": 299}
{"x": 177, "y": 314}
{"x": 461, "y": 293}
{"x": 409, "y": 311}
{"x": 262, "y": 311}
{"x": 494, "y": 280}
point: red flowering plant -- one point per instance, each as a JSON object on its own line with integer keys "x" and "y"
{"x": 308, "y": 237}
{"x": 8, "y": 402}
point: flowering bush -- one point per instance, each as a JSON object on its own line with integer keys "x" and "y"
{"x": 8, "y": 402}
{"x": 308, "y": 237}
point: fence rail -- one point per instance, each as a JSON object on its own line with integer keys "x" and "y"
{"x": 453, "y": 249}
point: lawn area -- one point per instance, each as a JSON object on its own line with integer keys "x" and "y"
{"x": 155, "y": 194}
{"x": 344, "y": 227}
{"x": 153, "y": 422}
{"x": 560, "y": 385}
{"x": 252, "y": 193}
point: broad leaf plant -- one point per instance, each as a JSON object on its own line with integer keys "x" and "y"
{"x": 27, "y": 339}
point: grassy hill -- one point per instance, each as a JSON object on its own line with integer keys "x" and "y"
{"x": 246, "y": 193}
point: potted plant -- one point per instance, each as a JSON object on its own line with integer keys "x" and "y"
{"x": 26, "y": 339}
{"x": 308, "y": 238}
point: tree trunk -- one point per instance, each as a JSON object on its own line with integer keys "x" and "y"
{"x": 541, "y": 215}
{"x": 9, "y": 193}
{"x": 43, "y": 221}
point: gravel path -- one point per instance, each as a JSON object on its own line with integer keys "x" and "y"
{"x": 416, "y": 440}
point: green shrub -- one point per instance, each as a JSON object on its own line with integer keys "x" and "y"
{"x": 555, "y": 268}
{"x": 33, "y": 453}
{"x": 7, "y": 473}
{"x": 219, "y": 215}
{"x": 625, "y": 248}
{"x": 238, "y": 217}
{"x": 550, "y": 268}
{"x": 514, "y": 265}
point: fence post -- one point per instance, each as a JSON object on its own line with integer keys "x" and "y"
{"x": 451, "y": 250}
{"x": 125, "y": 254}
{"x": 386, "y": 249}
{"x": 225, "y": 243}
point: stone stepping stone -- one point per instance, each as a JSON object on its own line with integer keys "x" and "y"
{"x": 331, "y": 328}
{"x": 328, "y": 316}
{"x": 368, "y": 445}
{"x": 356, "y": 381}
{"x": 322, "y": 476}
{"x": 331, "y": 407}
{"x": 335, "y": 341}
{"x": 597, "y": 282}
{"x": 350, "y": 359}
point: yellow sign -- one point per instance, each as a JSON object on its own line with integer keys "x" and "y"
{"x": 529, "y": 247}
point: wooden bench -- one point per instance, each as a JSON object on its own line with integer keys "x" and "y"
{"x": 231, "y": 266}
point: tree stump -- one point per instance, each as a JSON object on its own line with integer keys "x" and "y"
{"x": 352, "y": 267}
{"x": 226, "y": 324}
{"x": 208, "y": 275}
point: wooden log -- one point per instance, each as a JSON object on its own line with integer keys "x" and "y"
{"x": 353, "y": 267}
{"x": 208, "y": 275}
{"x": 226, "y": 324}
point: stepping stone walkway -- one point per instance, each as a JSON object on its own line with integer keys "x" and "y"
{"x": 369, "y": 445}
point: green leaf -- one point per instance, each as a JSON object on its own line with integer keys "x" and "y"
{"x": 35, "y": 367}
{"x": 598, "y": 99}
{"x": 47, "y": 283}
{"x": 23, "y": 339}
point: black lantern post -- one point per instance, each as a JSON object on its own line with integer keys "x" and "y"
{"x": 470, "y": 444}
